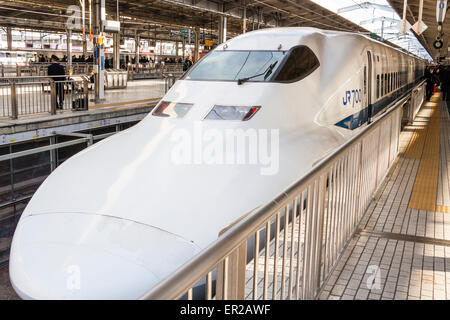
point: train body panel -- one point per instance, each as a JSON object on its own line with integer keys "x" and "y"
{"x": 172, "y": 178}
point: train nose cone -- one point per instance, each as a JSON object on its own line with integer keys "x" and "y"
{"x": 87, "y": 256}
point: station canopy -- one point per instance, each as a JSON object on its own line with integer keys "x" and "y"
{"x": 381, "y": 20}
{"x": 168, "y": 19}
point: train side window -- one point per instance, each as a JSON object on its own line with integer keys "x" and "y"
{"x": 385, "y": 83}
{"x": 382, "y": 86}
{"x": 300, "y": 63}
{"x": 378, "y": 86}
{"x": 389, "y": 82}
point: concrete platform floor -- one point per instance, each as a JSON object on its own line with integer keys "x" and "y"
{"x": 136, "y": 90}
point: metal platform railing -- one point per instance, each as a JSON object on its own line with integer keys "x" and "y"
{"x": 153, "y": 71}
{"x": 21, "y": 96}
{"x": 30, "y": 95}
{"x": 41, "y": 68}
{"x": 288, "y": 247}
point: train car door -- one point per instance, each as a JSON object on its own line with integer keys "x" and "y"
{"x": 368, "y": 86}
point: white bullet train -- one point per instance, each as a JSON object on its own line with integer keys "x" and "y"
{"x": 118, "y": 217}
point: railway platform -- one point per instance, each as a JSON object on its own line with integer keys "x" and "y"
{"x": 402, "y": 247}
{"x": 119, "y": 106}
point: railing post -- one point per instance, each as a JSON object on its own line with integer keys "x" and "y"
{"x": 14, "y": 108}
{"x": 52, "y": 96}
{"x": 166, "y": 84}
{"x": 321, "y": 216}
{"x": 53, "y": 155}
{"x": 235, "y": 279}
{"x": 86, "y": 93}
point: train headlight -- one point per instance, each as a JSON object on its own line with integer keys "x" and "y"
{"x": 172, "y": 109}
{"x": 232, "y": 113}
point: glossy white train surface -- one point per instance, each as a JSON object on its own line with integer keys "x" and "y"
{"x": 118, "y": 217}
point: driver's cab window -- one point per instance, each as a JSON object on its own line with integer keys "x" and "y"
{"x": 300, "y": 63}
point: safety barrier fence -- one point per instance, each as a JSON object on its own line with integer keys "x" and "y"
{"x": 30, "y": 95}
{"x": 153, "y": 70}
{"x": 288, "y": 247}
{"x": 21, "y": 96}
{"x": 41, "y": 68}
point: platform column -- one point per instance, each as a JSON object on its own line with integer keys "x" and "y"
{"x": 9, "y": 37}
{"x": 99, "y": 15}
{"x": 244, "y": 19}
{"x": 69, "y": 49}
{"x": 197, "y": 44}
{"x": 137, "y": 41}
{"x": 222, "y": 29}
{"x": 183, "y": 48}
{"x": 116, "y": 50}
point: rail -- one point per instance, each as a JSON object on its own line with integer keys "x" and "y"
{"x": 40, "y": 69}
{"x": 288, "y": 247}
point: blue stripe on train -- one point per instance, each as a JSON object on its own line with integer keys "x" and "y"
{"x": 358, "y": 119}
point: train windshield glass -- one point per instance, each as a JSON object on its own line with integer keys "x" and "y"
{"x": 234, "y": 65}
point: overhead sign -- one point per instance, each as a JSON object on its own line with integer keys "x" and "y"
{"x": 441, "y": 10}
{"x": 208, "y": 43}
{"x": 420, "y": 26}
{"x": 111, "y": 26}
{"x": 403, "y": 26}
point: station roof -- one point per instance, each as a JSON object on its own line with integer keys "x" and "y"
{"x": 158, "y": 18}
{"x": 429, "y": 17}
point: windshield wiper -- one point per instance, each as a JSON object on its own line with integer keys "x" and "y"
{"x": 266, "y": 73}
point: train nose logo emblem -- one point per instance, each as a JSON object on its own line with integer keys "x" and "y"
{"x": 352, "y": 97}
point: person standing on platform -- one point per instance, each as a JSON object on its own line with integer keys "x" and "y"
{"x": 445, "y": 84}
{"x": 55, "y": 69}
{"x": 187, "y": 63}
{"x": 430, "y": 82}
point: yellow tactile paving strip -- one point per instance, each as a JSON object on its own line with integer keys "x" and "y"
{"x": 426, "y": 147}
{"x": 415, "y": 147}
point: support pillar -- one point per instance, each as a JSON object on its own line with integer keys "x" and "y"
{"x": 197, "y": 44}
{"x": 69, "y": 49}
{"x": 244, "y": 20}
{"x": 222, "y": 29}
{"x": 116, "y": 50}
{"x": 184, "y": 48}
{"x": 177, "y": 45}
{"x": 9, "y": 37}
{"x": 99, "y": 50}
{"x": 85, "y": 47}
{"x": 137, "y": 41}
